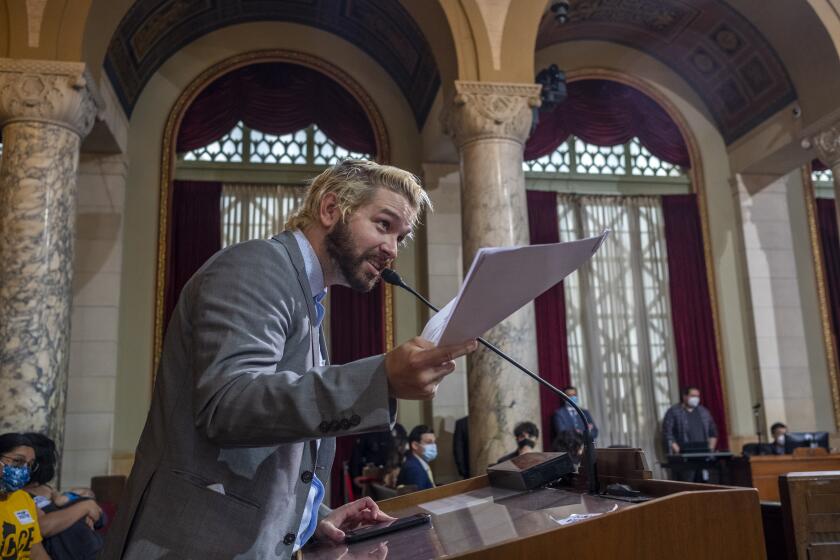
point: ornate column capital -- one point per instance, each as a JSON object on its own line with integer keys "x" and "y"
{"x": 827, "y": 145}
{"x": 481, "y": 110}
{"x": 59, "y": 93}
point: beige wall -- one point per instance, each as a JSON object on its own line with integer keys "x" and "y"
{"x": 145, "y": 133}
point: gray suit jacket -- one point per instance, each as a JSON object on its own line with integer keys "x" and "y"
{"x": 238, "y": 405}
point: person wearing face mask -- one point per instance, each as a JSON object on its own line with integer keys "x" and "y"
{"x": 688, "y": 423}
{"x": 526, "y": 434}
{"x": 778, "y": 431}
{"x": 21, "y": 532}
{"x": 423, "y": 450}
{"x": 566, "y": 419}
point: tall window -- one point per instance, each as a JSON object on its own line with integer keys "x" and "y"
{"x": 617, "y": 306}
{"x": 263, "y": 175}
{"x": 618, "y": 316}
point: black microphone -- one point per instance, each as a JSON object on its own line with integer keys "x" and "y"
{"x": 391, "y": 277}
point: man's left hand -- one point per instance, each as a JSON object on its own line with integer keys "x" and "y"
{"x": 350, "y": 516}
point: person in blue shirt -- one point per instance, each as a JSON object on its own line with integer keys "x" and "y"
{"x": 565, "y": 418}
{"x": 422, "y": 451}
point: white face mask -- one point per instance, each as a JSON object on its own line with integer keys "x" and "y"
{"x": 693, "y": 402}
{"x": 780, "y": 440}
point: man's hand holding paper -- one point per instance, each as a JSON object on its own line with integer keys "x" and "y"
{"x": 500, "y": 281}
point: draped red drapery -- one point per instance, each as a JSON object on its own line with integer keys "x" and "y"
{"x": 691, "y": 306}
{"x": 830, "y": 242}
{"x": 550, "y": 312}
{"x": 357, "y": 331}
{"x": 195, "y": 233}
{"x": 606, "y": 113}
{"x": 276, "y": 98}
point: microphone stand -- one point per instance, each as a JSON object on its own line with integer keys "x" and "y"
{"x": 392, "y": 277}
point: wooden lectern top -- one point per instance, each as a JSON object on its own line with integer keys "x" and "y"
{"x": 471, "y": 520}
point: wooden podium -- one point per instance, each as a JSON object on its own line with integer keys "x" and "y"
{"x": 471, "y": 520}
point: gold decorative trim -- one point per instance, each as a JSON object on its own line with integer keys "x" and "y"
{"x": 173, "y": 123}
{"x": 822, "y": 293}
{"x": 698, "y": 185}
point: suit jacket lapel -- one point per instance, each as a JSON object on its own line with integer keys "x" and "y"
{"x": 287, "y": 239}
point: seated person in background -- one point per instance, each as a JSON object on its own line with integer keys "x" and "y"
{"x": 571, "y": 443}
{"x": 422, "y": 451}
{"x": 67, "y": 520}
{"x": 566, "y": 419}
{"x": 778, "y": 431}
{"x": 382, "y": 450}
{"x": 526, "y": 434}
{"x": 18, "y": 514}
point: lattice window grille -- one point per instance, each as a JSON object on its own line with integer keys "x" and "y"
{"x": 824, "y": 176}
{"x": 327, "y": 152}
{"x": 644, "y": 163}
{"x": 256, "y": 211}
{"x": 289, "y": 148}
{"x": 580, "y": 157}
{"x": 307, "y": 146}
{"x": 599, "y": 160}
{"x": 558, "y": 161}
{"x": 229, "y": 148}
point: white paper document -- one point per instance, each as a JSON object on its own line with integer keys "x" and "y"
{"x": 503, "y": 279}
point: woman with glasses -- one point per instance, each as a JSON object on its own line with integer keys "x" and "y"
{"x": 21, "y": 538}
{"x": 67, "y": 520}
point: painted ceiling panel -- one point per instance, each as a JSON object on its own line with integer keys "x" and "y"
{"x": 714, "y": 48}
{"x": 153, "y": 30}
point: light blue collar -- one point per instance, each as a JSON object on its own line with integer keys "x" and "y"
{"x": 314, "y": 272}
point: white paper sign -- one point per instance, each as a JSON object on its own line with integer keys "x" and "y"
{"x": 503, "y": 279}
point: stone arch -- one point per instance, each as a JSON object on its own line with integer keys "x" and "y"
{"x": 145, "y": 144}
{"x": 710, "y": 172}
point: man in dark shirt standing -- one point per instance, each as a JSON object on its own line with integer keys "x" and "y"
{"x": 688, "y": 422}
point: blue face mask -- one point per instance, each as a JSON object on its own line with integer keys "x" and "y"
{"x": 14, "y": 478}
{"x": 429, "y": 452}
{"x": 575, "y": 400}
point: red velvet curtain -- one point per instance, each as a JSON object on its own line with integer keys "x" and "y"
{"x": 607, "y": 113}
{"x": 276, "y": 98}
{"x": 195, "y": 233}
{"x": 550, "y": 311}
{"x": 830, "y": 241}
{"x": 356, "y": 331}
{"x": 691, "y": 306}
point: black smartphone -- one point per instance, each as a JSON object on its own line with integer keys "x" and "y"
{"x": 387, "y": 527}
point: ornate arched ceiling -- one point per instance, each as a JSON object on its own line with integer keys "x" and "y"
{"x": 152, "y": 30}
{"x": 713, "y": 47}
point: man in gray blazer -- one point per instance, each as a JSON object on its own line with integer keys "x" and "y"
{"x": 240, "y": 436}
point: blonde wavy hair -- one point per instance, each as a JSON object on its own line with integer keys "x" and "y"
{"x": 354, "y": 183}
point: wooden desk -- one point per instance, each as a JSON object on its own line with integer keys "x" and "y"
{"x": 472, "y": 520}
{"x": 762, "y": 471}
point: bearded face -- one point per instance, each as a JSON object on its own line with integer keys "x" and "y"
{"x": 360, "y": 269}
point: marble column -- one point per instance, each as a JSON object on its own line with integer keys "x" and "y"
{"x": 489, "y": 123}
{"x": 46, "y": 108}
{"x": 827, "y": 144}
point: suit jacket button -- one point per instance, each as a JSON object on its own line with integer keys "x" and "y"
{"x": 355, "y": 420}
{"x": 289, "y": 539}
{"x": 345, "y": 424}
{"x": 324, "y": 427}
{"x": 334, "y": 425}
{"x": 306, "y": 477}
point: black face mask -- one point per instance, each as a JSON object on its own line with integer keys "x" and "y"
{"x": 526, "y": 443}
